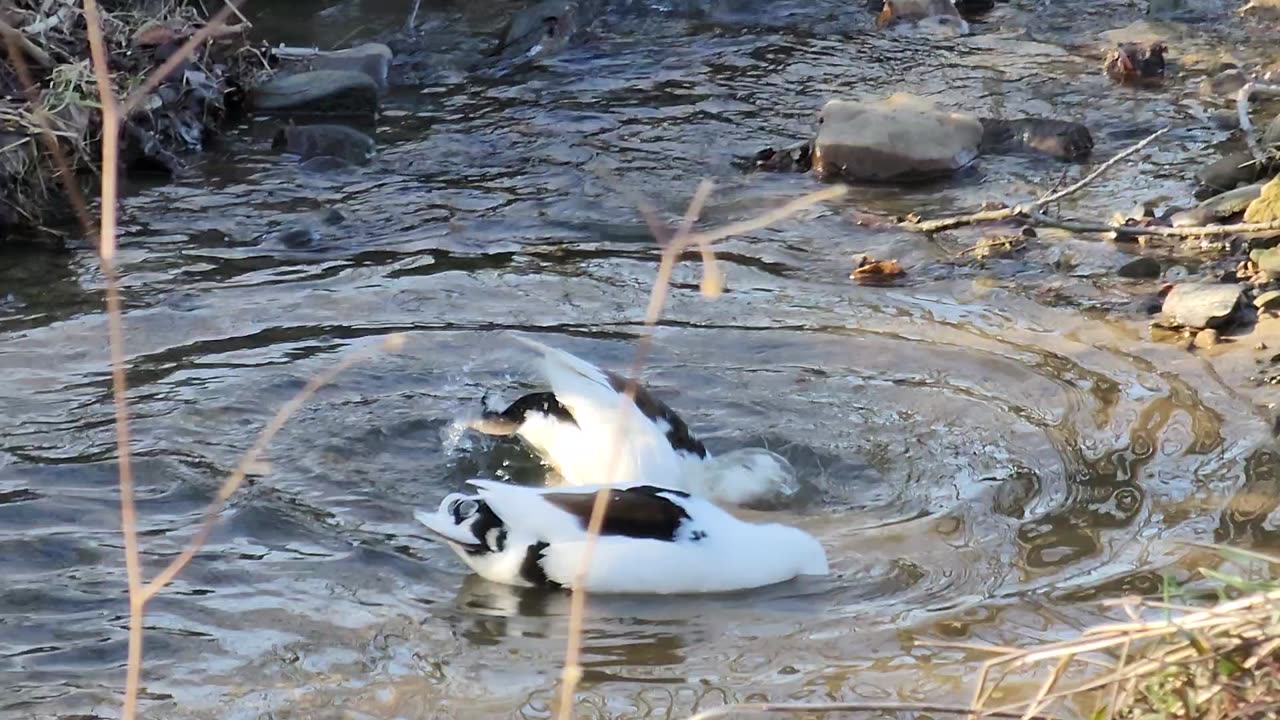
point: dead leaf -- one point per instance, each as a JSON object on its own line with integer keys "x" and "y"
{"x": 158, "y": 33}
{"x": 869, "y": 270}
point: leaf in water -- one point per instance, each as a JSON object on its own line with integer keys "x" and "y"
{"x": 867, "y": 269}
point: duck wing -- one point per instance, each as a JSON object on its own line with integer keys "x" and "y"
{"x": 593, "y": 395}
{"x": 640, "y": 512}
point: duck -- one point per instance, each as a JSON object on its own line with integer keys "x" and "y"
{"x": 654, "y": 540}
{"x": 591, "y": 432}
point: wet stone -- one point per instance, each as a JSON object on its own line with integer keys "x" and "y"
{"x": 337, "y": 92}
{"x": 372, "y": 59}
{"x": 1220, "y": 206}
{"x": 1142, "y": 268}
{"x": 1200, "y": 305}
{"x": 1269, "y": 300}
{"x": 1225, "y": 84}
{"x": 900, "y": 138}
{"x": 1206, "y": 338}
{"x": 1268, "y": 261}
{"x": 1230, "y": 172}
{"x": 312, "y": 141}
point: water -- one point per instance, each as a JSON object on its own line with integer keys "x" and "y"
{"x": 988, "y": 451}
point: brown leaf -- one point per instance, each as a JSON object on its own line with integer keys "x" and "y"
{"x": 869, "y": 270}
{"x": 155, "y": 33}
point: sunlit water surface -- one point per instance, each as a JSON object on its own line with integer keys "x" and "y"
{"x": 987, "y": 451}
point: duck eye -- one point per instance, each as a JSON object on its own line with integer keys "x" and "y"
{"x": 465, "y": 509}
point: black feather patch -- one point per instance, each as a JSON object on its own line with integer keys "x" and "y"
{"x": 678, "y": 433}
{"x": 636, "y": 512}
{"x": 488, "y": 529}
{"x": 542, "y": 403}
{"x": 531, "y": 568}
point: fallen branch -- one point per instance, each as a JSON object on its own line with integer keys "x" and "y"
{"x": 1137, "y": 230}
{"x": 11, "y": 34}
{"x": 1024, "y": 210}
{"x": 1242, "y": 109}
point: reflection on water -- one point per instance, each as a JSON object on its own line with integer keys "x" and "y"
{"x": 986, "y": 451}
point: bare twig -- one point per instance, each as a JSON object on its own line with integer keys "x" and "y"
{"x": 1025, "y": 209}
{"x": 725, "y": 710}
{"x": 1242, "y": 109}
{"x": 413, "y": 17}
{"x": 183, "y": 53}
{"x": 1136, "y": 230}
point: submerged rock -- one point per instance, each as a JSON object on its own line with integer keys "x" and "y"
{"x": 321, "y": 92}
{"x": 1225, "y": 84}
{"x": 1056, "y": 138}
{"x": 1230, "y": 172}
{"x": 312, "y": 141}
{"x": 1200, "y": 305}
{"x": 1266, "y": 208}
{"x": 932, "y": 17}
{"x": 538, "y": 31}
{"x": 1143, "y": 268}
{"x": 1218, "y": 207}
{"x": 900, "y": 138}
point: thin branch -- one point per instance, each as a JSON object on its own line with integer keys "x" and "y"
{"x": 725, "y": 710}
{"x": 1136, "y": 230}
{"x": 1024, "y": 209}
{"x": 1242, "y": 109}
{"x": 12, "y": 35}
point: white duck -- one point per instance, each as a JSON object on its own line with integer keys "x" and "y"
{"x": 654, "y": 540}
{"x": 591, "y": 433}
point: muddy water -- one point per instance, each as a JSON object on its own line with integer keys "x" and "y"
{"x": 988, "y": 451}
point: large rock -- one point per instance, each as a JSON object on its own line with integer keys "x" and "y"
{"x": 1218, "y": 207}
{"x": 1230, "y": 172}
{"x": 900, "y": 138}
{"x": 1200, "y": 305}
{"x": 1272, "y": 134}
{"x": 1267, "y": 207}
{"x": 313, "y": 141}
{"x": 320, "y": 92}
{"x": 372, "y": 59}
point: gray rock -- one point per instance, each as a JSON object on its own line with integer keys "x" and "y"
{"x": 311, "y": 141}
{"x": 1272, "y": 134}
{"x": 1220, "y": 206}
{"x": 372, "y": 59}
{"x": 1225, "y": 119}
{"x": 1230, "y": 172}
{"x": 1225, "y": 84}
{"x": 319, "y": 92}
{"x": 900, "y": 138}
{"x": 1200, "y": 305}
{"x": 538, "y": 31}
{"x": 1142, "y": 268}
{"x": 1267, "y": 300}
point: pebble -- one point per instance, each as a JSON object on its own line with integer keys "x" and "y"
{"x": 1200, "y": 305}
{"x": 1143, "y": 268}
{"x": 1206, "y": 338}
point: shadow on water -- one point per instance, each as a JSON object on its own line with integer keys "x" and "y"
{"x": 986, "y": 449}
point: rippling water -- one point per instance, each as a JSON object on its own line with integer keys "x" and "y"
{"x": 987, "y": 450}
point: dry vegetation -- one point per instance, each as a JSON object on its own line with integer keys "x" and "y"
{"x": 49, "y": 98}
{"x": 1215, "y": 663}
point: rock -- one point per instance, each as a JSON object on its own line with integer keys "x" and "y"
{"x": 1142, "y": 268}
{"x": 311, "y": 141}
{"x": 1267, "y": 300}
{"x": 1268, "y": 260}
{"x": 1225, "y": 84}
{"x": 794, "y": 158}
{"x": 321, "y": 92}
{"x": 1057, "y": 138}
{"x": 933, "y": 17}
{"x": 900, "y": 138}
{"x": 1225, "y": 119}
{"x": 1266, "y": 208}
{"x": 1271, "y": 136}
{"x": 1206, "y": 338}
{"x": 1262, "y": 7}
{"x": 1218, "y": 207}
{"x": 372, "y": 59}
{"x": 1230, "y": 172}
{"x": 538, "y": 31}
{"x": 1200, "y": 305}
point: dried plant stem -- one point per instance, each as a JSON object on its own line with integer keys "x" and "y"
{"x": 1242, "y": 110}
{"x": 1032, "y": 207}
{"x": 157, "y": 76}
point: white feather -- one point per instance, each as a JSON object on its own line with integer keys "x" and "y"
{"x": 613, "y": 442}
